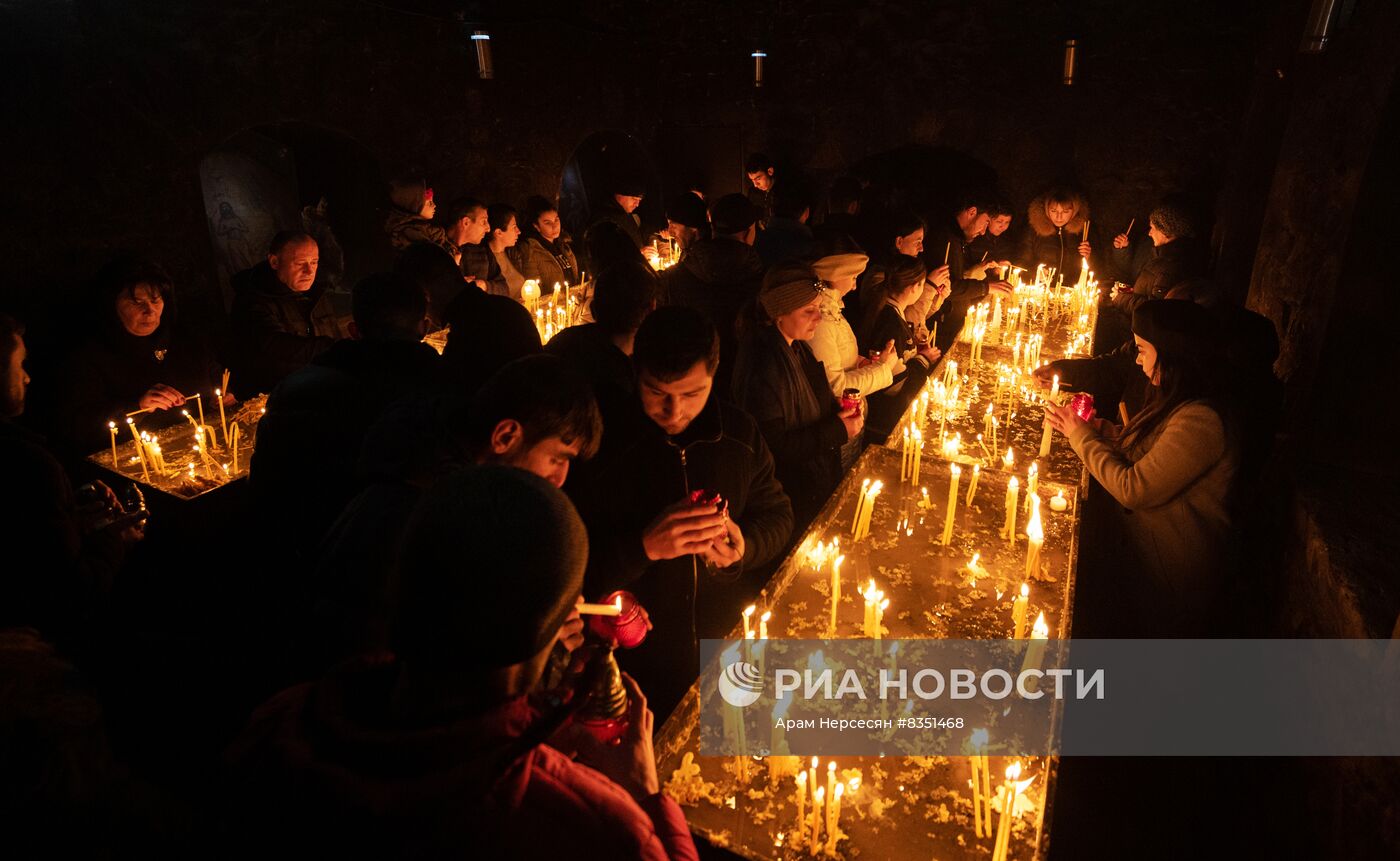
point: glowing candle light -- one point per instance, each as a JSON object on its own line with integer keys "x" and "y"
{"x": 1019, "y": 608}
{"x": 763, "y": 624}
{"x": 1035, "y": 536}
{"x": 972, "y": 485}
{"x": 817, "y": 798}
{"x": 1003, "y": 841}
{"x": 747, "y": 614}
{"x": 833, "y": 817}
{"x": 1058, "y": 501}
{"x": 112, "y": 427}
{"x": 952, "y": 504}
{"x": 835, "y": 592}
{"x": 860, "y": 505}
{"x": 1013, "y": 491}
{"x": 1009, "y": 460}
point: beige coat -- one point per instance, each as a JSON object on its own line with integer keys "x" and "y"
{"x": 1174, "y": 489}
{"x": 835, "y": 347}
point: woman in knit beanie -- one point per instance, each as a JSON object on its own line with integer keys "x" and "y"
{"x": 783, "y": 386}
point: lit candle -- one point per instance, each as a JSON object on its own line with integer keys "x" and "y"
{"x": 614, "y": 609}
{"x": 140, "y": 452}
{"x": 1018, "y": 612}
{"x": 995, "y": 424}
{"x": 1013, "y": 491}
{"x": 835, "y": 592}
{"x": 918, "y": 455}
{"x": 860, "y": 506}
{"x": 1009, "y": 460}
{"x": 972, "y": 485}
{"x": 817, "y": 798}
{"x": 1058, "y": 501}
{"x": 1008, "y": 808}
{"x": 1055, "y": 388}
{"x": 748, "y": 612}
{"x": 1032, "y": 482}
{"x": 223, "y": 422}
{"x": 199, "y": 403}
{"x": 237, "y": 437}
{"x": 763, "y": 624}
{"x": 112, "y": 426}
{"x": 1045, "y": 439}
{"x": 952, "y": 504}
{"x": 799, "y": 836}
{"x": 1035, "y": 536}
{"x": 833, "y": 818}
{"x": 869, "y": 507}
{"x": 1035, "y": 649}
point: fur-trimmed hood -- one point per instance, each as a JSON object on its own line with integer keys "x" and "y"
{"x": 1040, "y": 222}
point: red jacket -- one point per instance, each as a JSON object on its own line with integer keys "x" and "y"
{"x": 325, "y": 766}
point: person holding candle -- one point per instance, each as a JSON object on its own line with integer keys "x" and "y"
{"x": 1170, "y": 469}
{"x": 780, "y": 382}
{"x": 648, "y": 501}
{"x": 884, "y": 326}
{"x": 544, "y": 252}
{"x": 1057, "y": 222}
{"x": 620, "y": 209}
{"x": 687, "y": 221}
{"x": 133, "y": 354}
{"x": 996, "y": 242}
{"x": 835, "y": 344}
{"x": 968, "y": 282}
{"x": 454, "y": 708}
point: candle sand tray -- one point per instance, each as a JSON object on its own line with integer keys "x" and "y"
{"x": 188, "y": 472}
{"x": 906, "y": 806}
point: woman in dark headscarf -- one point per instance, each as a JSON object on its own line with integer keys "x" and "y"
{"x": 783, "y": 386}
{"x": 134, "y": 356}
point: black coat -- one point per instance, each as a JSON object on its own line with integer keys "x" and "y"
{"x": 1058, "y": 247}
{"x": 808, "y": 458}
{"x": 1172, "y": 265}
{"x": 721, "y": 277}
{"x": 630, "y": 223}
{"x": 303, "y": 470}
{"x": 488, "y": 332}
{"x": 274, "y": 330}
{"x": 105, "y": 377}
{"x": 784, "y": 239}
{"x": 642, "y": 471}
{"x": 887, "y": 406}
{"x": 609, "y": 370}
{"x": 965, "y": 292}
{"x": 59, "y": 575}
{"x": 479, "y": 263}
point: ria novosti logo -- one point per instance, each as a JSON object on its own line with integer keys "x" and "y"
{"x": 741, "y": 684}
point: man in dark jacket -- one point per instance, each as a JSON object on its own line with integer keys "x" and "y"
{"x": 653, "y": 526}
{"x": 995, "y": 244}
{"x": 759, "y": 169}
{"x": 969, "y": 221}
{"x": 63, "y": 560}
{"x": 720, "y": 276}
{"x": 787, "y": 236}
{"x": 621, "y": 209}
{"x": 441, "y": 753}
{"x": 623, "y": 295}
{"x": 303, "y": 469}
{"x": 281, "y": 317}
{"x": 467, "y": 225}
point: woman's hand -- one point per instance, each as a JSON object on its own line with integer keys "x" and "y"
{"x": 1120, "y": 241}
{"x": 853, "y": 420}
{"x": 161, "y": 397}
{"x": 1063, "y": 419}
{"x": 1085, "y": 249}
{"x": 930, "y": 352}
{"x": 941, "y": 276}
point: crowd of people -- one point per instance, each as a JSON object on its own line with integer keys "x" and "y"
{"x": 424, "y": 524}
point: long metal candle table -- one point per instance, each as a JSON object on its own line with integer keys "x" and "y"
{"x": 915, "y": 806}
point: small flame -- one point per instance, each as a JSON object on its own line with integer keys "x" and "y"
{"x": 1041, "y": 629}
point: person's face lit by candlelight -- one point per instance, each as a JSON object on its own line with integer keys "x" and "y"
{"x": 674, "y": 405}
{"x": 16, "y": 378}
{"x": 1156, "y": 234}
{"x": 1147, "y": 359}
{"x": 548, "y": 225}
{"x": 910, "y": 244}
{"x": 628, "y": 202}
{"x": 999, "y": 225}
{"x": 296, "y": 264}
{"x": 474, "y": 226}
{"x": 548, "y": 458}
{"x": 801, "y": 324}
{"x": 139, "y": 309}
{"x": 1058, "y": 213}
{"x": 762, "y": 179}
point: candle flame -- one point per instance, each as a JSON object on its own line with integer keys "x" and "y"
{"x": 1034, "y": 531}
{"x": 1041, "y": 630}
{"x": 749, "y": 610}
{"x": 840, "y": 789}
{"x": 1025, "y": 590}
{"x": 1013, "y": 771}
{"x": 767, "y": 614}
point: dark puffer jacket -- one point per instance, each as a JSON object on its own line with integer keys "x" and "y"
{"x": 548, "y": 262}
{"x": 642, "y": 471}
{"x": 1175, "y": 266}
{"x": 965, "y": 292}
{"x": 275, "y": 330}
{"x": 719, "y": 277}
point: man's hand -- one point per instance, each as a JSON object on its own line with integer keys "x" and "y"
{"x": 853, "y": 420}
{"x": 1044, "y": 376}
{"x": 681, "y": 529}
{"x": 722, "y": 553}
{"x": 631, "y": 763}
{"x": 161, "y": 397}
{"x": 1085, "y": 249}
{"x": 1002, "y": 287}
{"x": 1120, "y": 241}
{"x": 571, "y": 632}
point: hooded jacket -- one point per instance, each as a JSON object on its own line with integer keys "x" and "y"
{"x": 1045, "y": 243}
{"x": 1175, "y": 266}
{"x": 642, "y": 471}
{"x": 720, "y": 277}
{"x": 327, "y": 770}
{"x": 275, "y": 330}
{"x": 548, "y": 262}
{"x": 406, "y": 224}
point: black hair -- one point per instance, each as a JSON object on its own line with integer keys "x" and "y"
{"x": 1065, "y": 195}
{"x": 535, "y": 207}
{"x": 499, "y": 215}
{"x": 11, "y": 330}
{"x": 757, "y": 163}
{"x": 546, "y": 396}
{"x": 976, "y": 197}
{"x": 389, "y": 307}
{"x": 283, "y": 238}
{"x": 902, "y": 272}
{"x": 1187, "y": 369}
{"x": 623, "y": 295}
{"x": 904, "y": 222}
{"x": 998, "y": 205}
{"x": 459, "y": 208}
{"x": 672, "y": 339}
